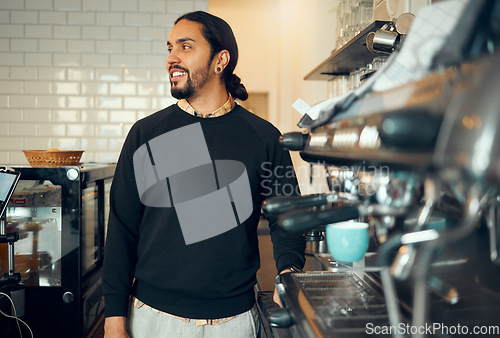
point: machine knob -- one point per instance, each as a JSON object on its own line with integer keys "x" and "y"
{"x": 411, "y": 129}
{"x": 294, "y": 140}
{"x": 280, "y": 318}
{"x": 68, "y": 297}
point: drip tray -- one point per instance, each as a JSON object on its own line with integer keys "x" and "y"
{"x": 329, "y": 304}
{"x": 349, "y": 301}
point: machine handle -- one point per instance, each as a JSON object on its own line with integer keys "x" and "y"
{"x": 294, "y": 140}
{"x": 280, "y": 204}
{"x": 303, "y": 221}
{"x": 280, "y": 317}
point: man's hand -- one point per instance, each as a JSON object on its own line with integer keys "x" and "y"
{"x": 276, "y": 298}
{"x": 115, "y": 327}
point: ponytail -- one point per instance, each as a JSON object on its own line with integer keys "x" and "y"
{"x": 236, "y": 88}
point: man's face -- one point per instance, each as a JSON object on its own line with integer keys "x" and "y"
{"x": 189, "y": 61}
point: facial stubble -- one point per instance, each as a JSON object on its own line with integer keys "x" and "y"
{"x": 195, "y": 82}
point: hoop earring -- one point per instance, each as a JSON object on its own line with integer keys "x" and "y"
{"x": 218, "y": 70}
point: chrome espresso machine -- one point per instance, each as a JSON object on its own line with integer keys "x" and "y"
{"x": 425, "y": 174}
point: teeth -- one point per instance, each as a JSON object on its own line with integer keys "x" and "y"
{"x": 174, "y": 74}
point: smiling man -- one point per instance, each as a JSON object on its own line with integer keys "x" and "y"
{"x": 182, "y": 254}
{"x": 190, "y": 63}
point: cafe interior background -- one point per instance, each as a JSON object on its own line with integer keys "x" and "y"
{"x": 76, "y": 75}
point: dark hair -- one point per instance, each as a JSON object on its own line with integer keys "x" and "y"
{"x": 220, "y": 37}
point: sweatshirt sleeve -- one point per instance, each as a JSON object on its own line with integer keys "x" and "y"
{"x": 120, "y": 251}
{"x": 288, "y": 248}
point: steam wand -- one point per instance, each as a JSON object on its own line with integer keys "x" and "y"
{"x": 472, "y": 214}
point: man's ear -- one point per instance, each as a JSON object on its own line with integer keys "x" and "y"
{"x": 223, "y": 58}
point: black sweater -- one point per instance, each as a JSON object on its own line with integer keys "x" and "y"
{"x": 179, "y": 269}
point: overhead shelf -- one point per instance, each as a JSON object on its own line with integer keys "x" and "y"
{"x": 351, "y": 56}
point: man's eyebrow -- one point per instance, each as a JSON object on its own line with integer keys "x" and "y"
{"x": 181, "y": 40}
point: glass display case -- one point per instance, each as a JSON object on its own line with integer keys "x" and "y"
{"x": 60, "y": 214}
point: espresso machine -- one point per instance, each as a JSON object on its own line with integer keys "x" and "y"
{"x": 426, "y": 176}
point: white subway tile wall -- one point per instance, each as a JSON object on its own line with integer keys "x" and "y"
{"x": 76, "y": 74}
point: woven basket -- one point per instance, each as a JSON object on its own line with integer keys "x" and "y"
{"x": 53, "y": 158}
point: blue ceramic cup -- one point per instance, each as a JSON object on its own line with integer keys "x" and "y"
{"x": 347, "y": 241}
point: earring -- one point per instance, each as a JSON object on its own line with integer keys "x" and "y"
{"x": 218, "y": 69}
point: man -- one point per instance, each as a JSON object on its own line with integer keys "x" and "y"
{"x": 181, "y": 252}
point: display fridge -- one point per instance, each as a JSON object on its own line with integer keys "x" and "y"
{"x": 60, "y": 214}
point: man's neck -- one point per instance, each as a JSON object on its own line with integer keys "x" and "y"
{"x": 207, "y": 101}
